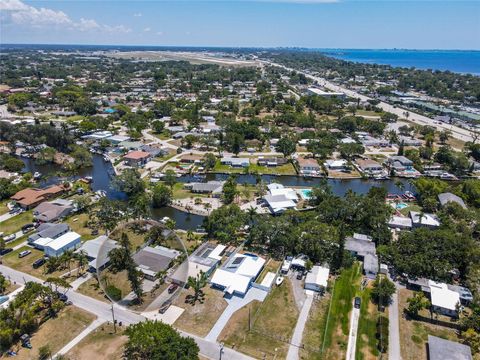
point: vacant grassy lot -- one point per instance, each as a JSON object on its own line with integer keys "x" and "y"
{"x": 57, "y": 332}
{"x": 414, "y": 334}
{"x": 78, "y": 223}
{"x": 337, "y": 327}
{"x": 136, "y": 237}
{"x": 93, "y": 289}
{"x": 272, "y": 324}
{"x": 102, "y": 340}
{"x": 15, "y": 223}
{"x": 200, "y": 318}
{"x": 314, "y": 329}
{"x": 286, "y": 169}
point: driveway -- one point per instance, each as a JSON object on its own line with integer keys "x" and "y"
{"x": 234, "y": 303}
{"x": 352, "y": 337}
{"x": 394, "y": 327}
{"x": 296, "y": 341}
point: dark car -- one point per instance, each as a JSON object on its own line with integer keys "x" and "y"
{"x": 62, "y": 297}
{"x": 28, "y": 227}
{"x": 172, "y": 288}
{"x": 5, "y": 251}
{"x": 38, "y": 263}
{"x": 164, "y": 308}
{"x": 357, "y": 302}
{"x": 300, "y": 275}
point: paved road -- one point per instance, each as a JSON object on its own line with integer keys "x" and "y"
{"x": 296, "y": 341}
{"x": 394, "y": 328}
{"x": 352, "y": 337}
{"x": 6, "y": 216}
{"x": 457, "y": 132}
{"x": 103, "y": 311}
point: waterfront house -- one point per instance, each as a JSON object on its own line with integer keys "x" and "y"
{"x": 30, "y": 197}
{"x": 137, "y": 158}
{"x": 369, "y": 167}
{"x": 235, "y": 162}
{"x": 50, "y": 211}
{"x": 308, "y": 166}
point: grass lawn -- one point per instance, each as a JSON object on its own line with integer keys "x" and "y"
{"x": 15, "y": 223}
{"x": 119, "y": 280}
{"x": 367, "y": 328}
{"x": 314, "y": 329}
{"x": 93, "y": 289}
{"x": 337, "y": 327}
{"x": 57, "y": 332}
{"x": 3, "y": 207}
{"x": 78, "y": 223}
{"x": 103, "y": 341}
{"x": 410, "y": 207}
{"x": 270, "y": 266}
{"x": 343, "y": 175}
{"x": 137, "y": 238}
{"x": 414, "y": 333}
{"x": 286, "y": 169}
{"x": 25, "y": 264}
{"x": 200, "y": 318}
{"x": 270, "y": 333}
{"x": 179, "y": 192}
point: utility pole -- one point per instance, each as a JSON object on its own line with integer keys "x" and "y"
{"x": 221, "y": 350}
{"x": 114, "y": 321}
{"x": 249, "y": 321}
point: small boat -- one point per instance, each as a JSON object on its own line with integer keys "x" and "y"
{"x": 101, "y": 193}
{"x": 36, "y": 175}
{"x": 279, "y": 280}
{"x": 165, "y": 220}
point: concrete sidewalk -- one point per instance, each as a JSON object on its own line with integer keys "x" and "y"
{"x": 296, "y": 341}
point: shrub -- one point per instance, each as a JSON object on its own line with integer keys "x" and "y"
{"x": 114, "y": 293}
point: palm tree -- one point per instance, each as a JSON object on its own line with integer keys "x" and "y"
{"x": 82, "y": 260}
{"x": 197, "y": 284}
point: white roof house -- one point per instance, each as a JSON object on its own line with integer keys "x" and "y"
{"x": 335, "y": 164}
{"x": 237, "y": 274}
{"x": 289, "y": 193}
{"x": 400, "y": 222}
{"x": 97, "y": 250}
{"x": 58, "y": 246}
{"x": 42, "y": 242}
{"x": 317, "y": 278}
{"x": 443, "y": 299}
{"x": 279, "y": 203}
{"x": 273, "y": 186}
{"x": 426, "y": 220}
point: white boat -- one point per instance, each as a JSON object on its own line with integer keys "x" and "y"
{"x": 36, "y": 175}
{"x": 279, "y": 280}
{"x": 165, "y": 220}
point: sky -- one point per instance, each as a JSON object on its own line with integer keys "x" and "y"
{"x": 381, "y": 24}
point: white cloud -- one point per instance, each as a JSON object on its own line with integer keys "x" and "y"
{"x": 20, "y": 13}
{"x": 137, "y": 15}
{"x": 147, "y": 29}
{"x": 160, "y": 33}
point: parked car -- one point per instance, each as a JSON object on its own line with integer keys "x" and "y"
{"x": 38, "y": 263}
{"x": 62, "y": 297}
{"x": 164, "y": 308}
{"x": 28, "y": 227}
{"x": 5, "y": 251}
{"x": 24, "y": 253}
{"x": 357, "y": 302}
{"x": 172, "y": 288}
{"x": 300, "y": 275}
{"x": 9, "y": 237}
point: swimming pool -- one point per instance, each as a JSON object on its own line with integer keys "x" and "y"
{"x": 401, "y": 206}
{"x": 306, "y": 194}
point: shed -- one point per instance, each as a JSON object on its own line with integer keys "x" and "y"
{"x": 317, "y": 279}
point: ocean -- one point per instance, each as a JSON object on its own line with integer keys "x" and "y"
{"x": 460, "y": 61}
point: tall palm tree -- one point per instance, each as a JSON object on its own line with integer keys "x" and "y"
{"x": 197, "y": 284}
{"x": 82, "y": 260}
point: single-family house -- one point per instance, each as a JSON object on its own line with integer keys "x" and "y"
{"x": 317, "y": 279}
{"x": 31, "y": 197}
{"x": 205, "y": 258}
{"x": 97, "y": 251}
{"x": 151, "y": 260}
{"x": 441, "y": 349}
{"x": 210, "y": 187}
{"x": 336, "y": 164}
{"x": 137, "y": 158}
{"x": 308, "y": 166}
{"x": 235, "y": 162}
{"x": 400, "y": 222}
{"x": 271, "y": 161}
{"x": 56, "y": 247}
{"x": 424, "y": 220}
{"x": 363, "y": 248}
{"x": 446, "y": 198}
{"x": 369, "y": 167}
{"x": 444, "y": 301}
{"x": 50, "y": 211}
{"x": 279, "y": 203}
{"x": 48, "y": 231}
{"x": 237, "y": 274}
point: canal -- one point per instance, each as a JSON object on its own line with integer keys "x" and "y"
{"x": 102, "y": 173}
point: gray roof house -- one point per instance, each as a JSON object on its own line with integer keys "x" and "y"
{"x": 363, "y": 248}
{"x": 445, "y": 198}
{"x": 49, "y": 230}
{"x": 441, "y": 349}
{"x": 210, "y": 187}
{"x": 49, "y": 211}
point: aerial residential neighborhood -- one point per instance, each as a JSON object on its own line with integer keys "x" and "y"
{"x": 233, "y": 202}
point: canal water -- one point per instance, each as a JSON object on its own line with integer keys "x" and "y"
{"x": 102, "y": 174}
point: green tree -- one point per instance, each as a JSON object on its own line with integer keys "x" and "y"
{"x": 158, "y": 126}
{"x": 416, "y": 303}
{"x": 129, "y": 182}
{"x": 197, "y": 284}
{"x": 162, "y": 196}
{"x": 382, "y": 291}
{"x": 209, "y": 161}
{"x": 286, "y": 145}
{"x": 170, "y": 178}
{"x": 156, "y": 340}
{"x": 229, "y": 191}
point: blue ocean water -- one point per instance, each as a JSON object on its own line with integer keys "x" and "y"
{"x": 467, "y": 61}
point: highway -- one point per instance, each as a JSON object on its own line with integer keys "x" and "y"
{"x": 456, "y": 132}
{"x": 103, "y": 311}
